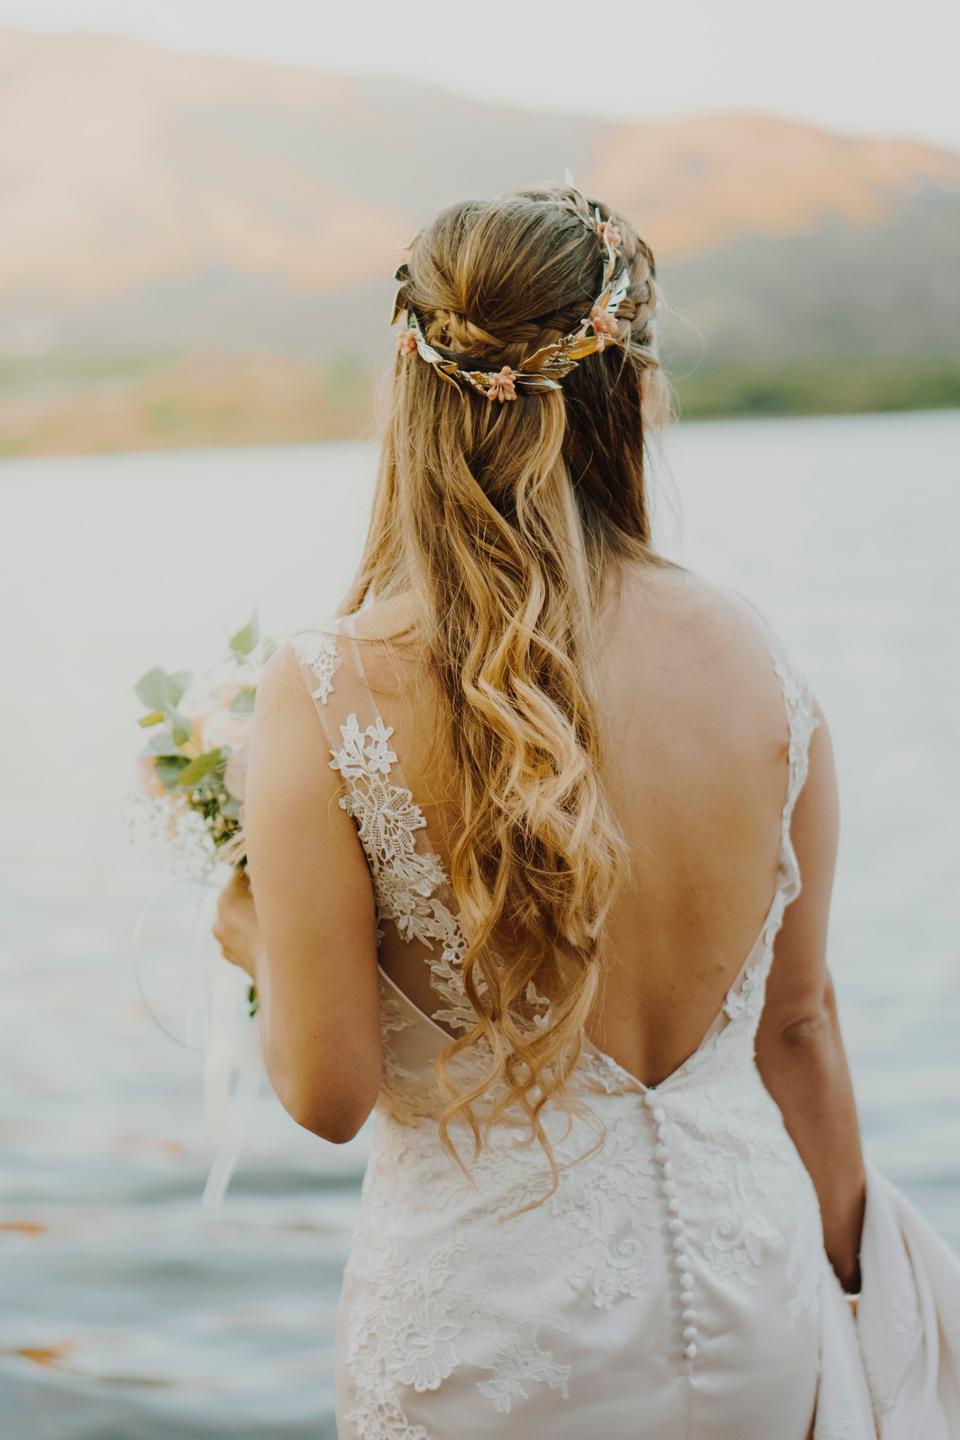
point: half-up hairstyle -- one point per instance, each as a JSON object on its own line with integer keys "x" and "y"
{"x": 501, "y": 521}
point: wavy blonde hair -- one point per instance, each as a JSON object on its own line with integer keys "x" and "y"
{"x": 500, "y": 520}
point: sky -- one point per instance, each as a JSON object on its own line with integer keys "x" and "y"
{"x": 857, "y": 66}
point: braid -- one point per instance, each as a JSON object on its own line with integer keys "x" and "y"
{"x": 640, "y": 303}
{"x": 537, "y": 354}
{"x": 452, "y": 330}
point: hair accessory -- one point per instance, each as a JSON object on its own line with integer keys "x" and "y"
{"x": 604, "y": 325}
{"x": 546, "y": 367}
{"x": 503, "y": 386}
{"x": 610, "y": 232}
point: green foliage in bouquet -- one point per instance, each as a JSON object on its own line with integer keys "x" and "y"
{"x": 194, "y": 763}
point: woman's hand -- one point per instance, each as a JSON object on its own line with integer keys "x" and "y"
{"x": 236, "y": 928}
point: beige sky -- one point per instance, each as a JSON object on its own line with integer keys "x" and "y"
{"x": 868, "y": 66}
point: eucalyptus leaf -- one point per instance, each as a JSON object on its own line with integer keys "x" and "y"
{"x": 169, "y": 768}
{"x": 153, "y": 688}
{"x": 164, "y": 745}
{"x": 152, "y": 717}
{"x": 180, "y": 725}
{"x": 245, "y": 640}
{"x": 196, "y": 769}
{"x": 158, "y": 690}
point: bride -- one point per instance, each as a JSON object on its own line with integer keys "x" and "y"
{"x": 541, "y": 833}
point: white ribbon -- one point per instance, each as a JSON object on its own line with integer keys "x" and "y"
{"x": 216, "y": 1022}
{"x": 231, "y": 1076}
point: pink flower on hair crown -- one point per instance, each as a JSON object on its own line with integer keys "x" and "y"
{"x": 611, "y": 233}
{"x": 502, "y": 386}
{"x": 604, "y": 325}
{"x": 407, "y": 342}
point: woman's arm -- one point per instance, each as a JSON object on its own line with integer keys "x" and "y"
{"x": 316, "y": 968}
{"x": 799, "y": 1046}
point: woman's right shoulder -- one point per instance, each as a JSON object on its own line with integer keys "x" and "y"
{"x": 689, "y": 604}
{"x": 721, "y": 637}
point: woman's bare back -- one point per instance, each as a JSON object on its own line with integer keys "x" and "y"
{"x": 695, "y": 743}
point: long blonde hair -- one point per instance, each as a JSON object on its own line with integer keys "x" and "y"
{"x": 500, "y": 520}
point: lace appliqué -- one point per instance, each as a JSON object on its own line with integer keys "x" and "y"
{"x": 803, "y": 722}
{"x": 603, "y": 1200}
{"x": 424, "y": 1309}
{"x": 393, "y": 1020}
{"x": 600, "y": 1205}
{"x": 401, "y": 1335}
{"x": 318, "y": 651}
{"x": 431, "y": 1307}
{"x": 736, "y": 1157}
{"x": 747, "y": 1001}
{"x": 407, "y": 883}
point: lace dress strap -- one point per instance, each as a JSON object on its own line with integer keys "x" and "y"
{"x": 410, "y": 883}
{"x": 744, "y": 999}
{"x": 798, "y": 700}
{"x": 329, "y": 663}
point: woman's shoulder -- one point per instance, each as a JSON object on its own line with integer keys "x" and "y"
{"x": 719, "y": 639}
{"x": 376, "y": 622}
{"x": 686, "y": 603}
{"x": 372, "y": 650}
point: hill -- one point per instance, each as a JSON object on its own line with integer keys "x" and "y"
{"x": 163, "y": 212}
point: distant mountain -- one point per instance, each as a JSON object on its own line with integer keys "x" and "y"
{"x": 156, "y": 202}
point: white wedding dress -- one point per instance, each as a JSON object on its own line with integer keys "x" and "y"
{"x": 675, "y": 1287}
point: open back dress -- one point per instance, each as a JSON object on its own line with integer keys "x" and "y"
{"x": 675, "y": 1284}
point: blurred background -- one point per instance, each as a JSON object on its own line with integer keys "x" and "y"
{"x": 201, "y": 209}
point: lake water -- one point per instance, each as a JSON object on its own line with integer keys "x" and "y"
{"x": 127, "y": 1312}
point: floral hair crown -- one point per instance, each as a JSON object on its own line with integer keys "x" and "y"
{"x": 544, "y": 369}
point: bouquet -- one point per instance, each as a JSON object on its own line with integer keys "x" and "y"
{"x": 192, "y": 775}
{"x": 192, "y": 770}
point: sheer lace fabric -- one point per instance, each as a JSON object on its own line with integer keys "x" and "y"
{"x": 675, "y": 1285}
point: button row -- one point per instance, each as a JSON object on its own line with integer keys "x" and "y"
{"x": 675, "y": 1226}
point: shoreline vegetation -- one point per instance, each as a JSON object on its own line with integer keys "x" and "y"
{"x": 90, "y": 404}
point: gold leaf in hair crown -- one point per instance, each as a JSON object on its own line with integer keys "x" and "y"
{"x": 544, "y": 368}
